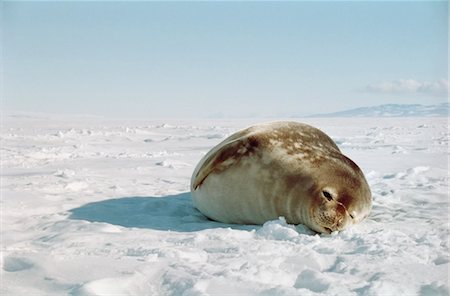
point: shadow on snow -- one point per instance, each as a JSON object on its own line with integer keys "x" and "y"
{"x": 173, "y": 212}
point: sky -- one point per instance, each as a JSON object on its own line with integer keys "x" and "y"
{"x": 221, "y": 59}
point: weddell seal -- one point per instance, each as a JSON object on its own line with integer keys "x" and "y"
{"x": 278, "y": 169}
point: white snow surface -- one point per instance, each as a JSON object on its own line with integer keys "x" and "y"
{"x": 101, "y": 207}
{"x": 394, "y": 110}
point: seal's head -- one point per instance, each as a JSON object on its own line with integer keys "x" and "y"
{"x": 340, "y": 196}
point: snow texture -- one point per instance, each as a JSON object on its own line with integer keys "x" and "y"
{"x": 394, "y": 110}
{"x": 100, "y": 207}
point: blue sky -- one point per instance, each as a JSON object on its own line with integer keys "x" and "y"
{"x": 235, "y": 59}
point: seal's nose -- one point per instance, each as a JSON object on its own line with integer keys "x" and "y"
{"x": 341, "y": 214}
{"x": 340, "y": 209}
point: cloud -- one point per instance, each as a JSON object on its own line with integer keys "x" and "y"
{"x": 410, "y": 87}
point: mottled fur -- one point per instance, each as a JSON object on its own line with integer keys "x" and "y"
{"x": 281, "y": 169}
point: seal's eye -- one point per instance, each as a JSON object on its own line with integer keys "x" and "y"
{"x": 327, "y": 195}
{"x": 351, "y": 216}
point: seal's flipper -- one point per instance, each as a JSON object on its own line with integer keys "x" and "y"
{"x": 219, "y": 160}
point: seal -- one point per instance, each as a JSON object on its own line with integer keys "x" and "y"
{"x": 275, "y": 169}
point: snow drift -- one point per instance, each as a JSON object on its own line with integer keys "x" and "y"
{"x": 97, "y": 207}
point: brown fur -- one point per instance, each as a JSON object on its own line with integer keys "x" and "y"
{"x": 295, "y": 163}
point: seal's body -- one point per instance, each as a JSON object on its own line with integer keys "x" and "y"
{"x": 278, "y": 169}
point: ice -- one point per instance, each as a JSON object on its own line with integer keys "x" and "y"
{"x": 394, "y": 110}
{"x": 12, "y": 264}
{"x": 278, "y": 230}
{"x": 313, "y": 281}
{"x": 102, "y": 207}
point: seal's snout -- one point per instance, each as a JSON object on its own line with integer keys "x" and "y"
{"x": 343, "y": 218}
{"x": 341, "y": 210}
{"x": 340, "y": 223}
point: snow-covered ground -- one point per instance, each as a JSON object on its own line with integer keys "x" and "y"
{"x": 98, "y": 207}
{"x": 394, "y": 110}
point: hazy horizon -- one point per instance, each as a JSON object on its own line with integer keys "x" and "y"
{"x": 233, "y": 59}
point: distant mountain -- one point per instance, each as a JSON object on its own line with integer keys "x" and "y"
{"x": 394, "y": 110}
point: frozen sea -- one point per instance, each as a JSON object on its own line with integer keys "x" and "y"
{"x": 102, "y": 207}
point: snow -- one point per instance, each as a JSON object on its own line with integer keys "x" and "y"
{"x": 394, "y": 110}
{"x": 101, "y": 207}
